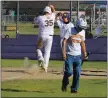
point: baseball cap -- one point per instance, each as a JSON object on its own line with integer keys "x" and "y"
{"x": 47, "y": 9}
{"x": 65, "y": 15}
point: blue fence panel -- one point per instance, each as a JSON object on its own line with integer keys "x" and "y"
{"x": 18, "y": 55}
{"x": 98, "y": 45}
{"x": 56, "y": 56}
{"x": 26, "y": 49}
{"x": 19, "y": 49}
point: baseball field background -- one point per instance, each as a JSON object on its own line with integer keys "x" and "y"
{"x": 20, "y": 81}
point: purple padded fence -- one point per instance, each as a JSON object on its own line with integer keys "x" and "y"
{"x": 25, "y": 46}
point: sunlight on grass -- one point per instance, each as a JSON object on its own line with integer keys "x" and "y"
{"x": 52, "y": 88}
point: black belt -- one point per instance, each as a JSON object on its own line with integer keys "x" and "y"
{"x": 50, "y": 35}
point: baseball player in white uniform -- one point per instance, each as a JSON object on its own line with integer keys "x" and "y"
{"x": 72, "y": 45}
{"x": 45, "y": 37}
{"x": 64, "y": 23}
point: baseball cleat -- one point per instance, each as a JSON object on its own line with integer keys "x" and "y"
{"x": 40, "y": 63}
{"x": 73, "y": 91}
{"x": 44, "y": 68}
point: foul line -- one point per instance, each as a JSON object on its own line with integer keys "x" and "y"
{"x": 12, "y": 78}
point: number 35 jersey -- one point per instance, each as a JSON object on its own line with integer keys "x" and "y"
{"x": 46, "y": 24}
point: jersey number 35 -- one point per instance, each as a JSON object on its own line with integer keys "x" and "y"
{"x": 48, "y": 23}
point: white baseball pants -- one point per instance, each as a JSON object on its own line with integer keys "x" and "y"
{"x": 47, "y": 44}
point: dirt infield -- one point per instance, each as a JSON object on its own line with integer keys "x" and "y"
{"x": 53, "y": 73}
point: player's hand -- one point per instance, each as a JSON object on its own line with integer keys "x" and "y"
{"x": 64, "y": 57}
{"x": 51, "y": 6}
{"x": 85, "y": 56}
{"x": 59, "y": 14}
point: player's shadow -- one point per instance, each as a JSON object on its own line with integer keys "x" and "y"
{"x": 20, "y": 71}
{"x": 94, "y": 71}
{"x": 16, "y": 90}
{"x": 92, "y": 75}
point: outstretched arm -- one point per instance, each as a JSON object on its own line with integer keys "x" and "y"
{"x": 52, "y": 8}
{"x": 58, "y": 16}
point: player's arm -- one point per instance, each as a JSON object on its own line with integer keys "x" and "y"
{"x": 58, "y": 19}
{"x": 83, "y": 47}
{"x": 58, "y": 16}
{"x": 64, "y": 48}
{"x": 52, "y": 8}
{"x": 36, "y": 20}
{"x": 66, "y": 36}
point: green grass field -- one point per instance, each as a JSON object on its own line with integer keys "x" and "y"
{"x": 52, "y": 63}
{"x": 52, "y": 88}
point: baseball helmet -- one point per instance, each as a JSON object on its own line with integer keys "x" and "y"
{"x": 82, "y": 23}
{"x": 66, "y": 15}
{"x": 47, "y": 9}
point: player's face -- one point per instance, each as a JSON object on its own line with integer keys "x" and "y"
{"x": 65, "y": 20}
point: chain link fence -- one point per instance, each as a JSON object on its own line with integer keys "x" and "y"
{"x": 17, "y": 16}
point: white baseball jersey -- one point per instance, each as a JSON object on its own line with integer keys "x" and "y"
{"x": 46, "y": 24}
{"x": 64, "y": 27}
{"x": 74, "y": 48}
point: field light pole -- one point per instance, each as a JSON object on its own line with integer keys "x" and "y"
{"x": 17, "y": 20}
{"x": 94, "y": 6}
{"x": 91, "y": 20}
{"x": 1, "y": 17}
{"x": 99, "y": 15}
{"x": 71, "y": 11}
{"x": 77, "y": 9}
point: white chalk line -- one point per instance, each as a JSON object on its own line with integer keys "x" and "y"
{"x": 11, "y": 78}
{"x": 16, "y": 77}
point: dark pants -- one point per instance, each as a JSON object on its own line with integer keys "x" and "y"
{"x": 72, "y": 62}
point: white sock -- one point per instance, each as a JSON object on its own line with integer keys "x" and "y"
{"x": 39, "y": 54}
